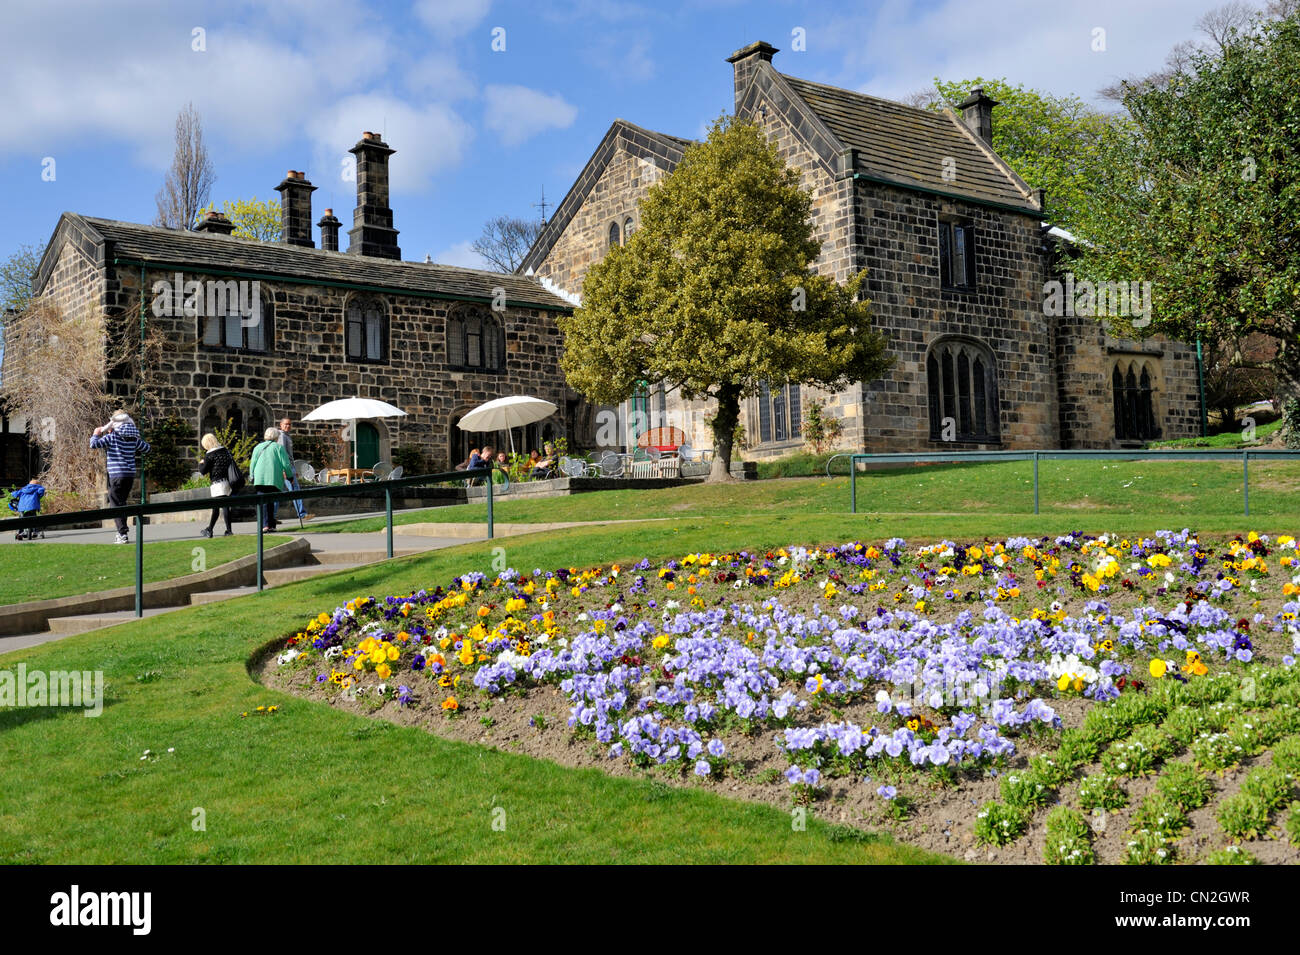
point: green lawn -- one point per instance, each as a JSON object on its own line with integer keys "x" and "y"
{"x": 41, "y": 569}
{"x": 1229, "y": 439}
{"x": 1187, "y": 492}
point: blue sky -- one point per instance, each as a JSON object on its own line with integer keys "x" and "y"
{"x": 291, "y": 84}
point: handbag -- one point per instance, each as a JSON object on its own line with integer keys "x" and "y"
{"x": 234, "y": 477}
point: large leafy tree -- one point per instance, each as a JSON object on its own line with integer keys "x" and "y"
{"x": 1203, "y": 198}
{"x": 1052, "y": 142}
{"x": 715, "y": 292}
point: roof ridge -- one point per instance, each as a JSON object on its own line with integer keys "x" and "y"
{"x": 877, "y": 99}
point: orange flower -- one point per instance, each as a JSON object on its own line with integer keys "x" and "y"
{"x": 450, "y": 704}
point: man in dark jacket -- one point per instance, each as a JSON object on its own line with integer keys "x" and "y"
{"x": 120, "y": 438}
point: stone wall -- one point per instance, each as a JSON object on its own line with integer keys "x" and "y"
{"x": 305, "y": 365}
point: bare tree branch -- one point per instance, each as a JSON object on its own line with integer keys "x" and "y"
{"x": 188, "y": 185}
{"x": 505, "y": 241}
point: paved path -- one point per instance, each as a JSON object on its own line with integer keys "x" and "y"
{"x": 331, "y": 551}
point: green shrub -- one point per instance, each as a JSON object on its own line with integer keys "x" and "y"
{"x": 1293, "y": 825}
{"x": 1077, "y": 749}
{"x": 1148, "y": 847}
{"x": 1025, "y": 789}
{"x": 1185, "y": 785}
{"x": 173, "y": 455}
{"x": 1286, "y": 755}
{"x": 1161, "y": 812}
{"x": 1270, "y": 785}
{"x": 1216, "y": 752}
{"x": 1243, "y": 816}
{"x": 1131, "y": 757}
{"x": 1053, "y": 772}
{"x": 1231, "y": 855}
{"x": 998, "y": 824}
{"x": 411, "y": 460}
{"x": 1102, "y": 791}
{"x": 1069, "y": 841}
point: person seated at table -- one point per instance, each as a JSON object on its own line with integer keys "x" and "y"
{"x": 480, "y": 461}
{"x": 500, "y": 469}
{"x": 543, "y": 466}
{"x": 466, "y": 464}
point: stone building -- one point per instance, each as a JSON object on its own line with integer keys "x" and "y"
{"x": 255, "y": 331}
{"x": 957, "y": 254}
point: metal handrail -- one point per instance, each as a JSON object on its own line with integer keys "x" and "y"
{"x": 842, "y": 454}
{"x": 259, "y": 499}
{"x": 959, "y": 457}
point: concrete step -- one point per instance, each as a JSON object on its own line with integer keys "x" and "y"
{"x": 212, "y": 596}
{"x": 289, "y": 575}
{"x": 63, "y": 626}
{"x": 361, "y": 556}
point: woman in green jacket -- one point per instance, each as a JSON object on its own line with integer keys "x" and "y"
{"x": 270, "y": 469}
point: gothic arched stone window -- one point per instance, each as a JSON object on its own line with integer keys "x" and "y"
{"x": 1134, "y": 396}
{"x": 963, "y": 391}
{"x": 476, "y": 340}
{"x": 615, "y": 235}
{"x": 628, "y": 228}
{"x": 365, "y": 329}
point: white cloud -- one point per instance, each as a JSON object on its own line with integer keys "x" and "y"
{"x": 429, "y": 139}
{"x": 517, "y": 113}
{"x": 462, "y": 254}
{"x": 451, "y": 19}
{"x": 897, "y": 49}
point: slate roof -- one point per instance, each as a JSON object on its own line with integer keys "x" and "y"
{"x": 172, "y": 247}
{"x": 907, "y": 145}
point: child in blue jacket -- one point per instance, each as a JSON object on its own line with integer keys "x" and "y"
{"x": 27, "y": 502}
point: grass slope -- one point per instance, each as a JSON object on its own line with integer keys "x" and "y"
{"x": 1089, "y": 491}
{"x": 39, "y": 570}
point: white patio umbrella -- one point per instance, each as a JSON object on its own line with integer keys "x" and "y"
{"x": 354, "y": 410}
{"x": 514, "y": 411}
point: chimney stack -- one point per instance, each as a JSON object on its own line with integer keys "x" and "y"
{"x": 329, "y": 231}
{"x": 295, "y": 209}
{"x": 215, "y": 223}
{"x": 977, "y": 110}
{"x": 745, "y": 61}
{"x": 372, "y": 231}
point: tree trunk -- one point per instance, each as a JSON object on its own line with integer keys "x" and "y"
{"x": 724, "y": 431}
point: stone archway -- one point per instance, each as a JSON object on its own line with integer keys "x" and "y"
{"x": 246, "y": 412}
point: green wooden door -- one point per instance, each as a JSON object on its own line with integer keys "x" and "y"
{"x": 367, "y": 444}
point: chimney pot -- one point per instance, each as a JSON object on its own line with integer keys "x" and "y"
{"x": 329, "y": 231}
{"x": 745, "y": 63}
{"x": 372, "y": 231}
{"x": 215, "y": 223}
{"x": 977, "y": 111}
{"x": 295, "y": 209}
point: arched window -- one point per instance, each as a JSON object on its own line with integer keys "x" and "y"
{"x": 628, "y": 228}
{"x": 244, "y": 412}
{"x": 366, "y": 329}
{"x": 1134, "y": 398}
{"x": 963, "y": 395}
{"x": 615, "y": 237}
{"x": 475, "y": 340}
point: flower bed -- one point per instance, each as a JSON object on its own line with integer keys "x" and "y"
{"x": 954, "y": 693}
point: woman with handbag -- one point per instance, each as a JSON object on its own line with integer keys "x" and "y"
{"x": 220, "y": 467}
